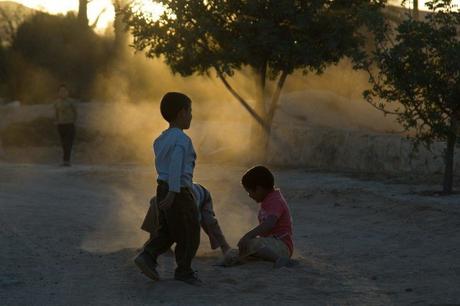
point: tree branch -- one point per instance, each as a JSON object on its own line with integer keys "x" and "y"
{"x": 94, "y": 24}
{"x": 386, "y": 112}
{"x": 243, "y": 102}
{"x": 240, "y": 99}
{"x": 276, "y": 96}
{"x": 374, "y": 81}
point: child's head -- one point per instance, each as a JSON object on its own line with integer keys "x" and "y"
{"x": 176, "y": 108}
{"x": 258, "y": 182}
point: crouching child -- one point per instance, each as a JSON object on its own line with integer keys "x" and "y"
{"x": 271, "y": 240}
{"x": 206, "y": 216}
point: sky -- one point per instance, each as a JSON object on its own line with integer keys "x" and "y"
{"x": 421, "y": 3}
{"x": 96, "y": 6}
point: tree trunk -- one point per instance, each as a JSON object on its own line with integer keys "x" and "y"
{"x": 83, "y": 12}
{"x": 416, "y": 11}
{"x": 260, "y": 134}
{"x": 449, "y": 158}
{"x": 121, "y": 35}
{"x": 262, "y": 124}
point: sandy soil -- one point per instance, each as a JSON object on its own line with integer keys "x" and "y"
{"x": 68, "y": 237}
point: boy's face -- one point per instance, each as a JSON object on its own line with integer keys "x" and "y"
{"x": 185, "y": 116}
{"x": 258, "y": 194}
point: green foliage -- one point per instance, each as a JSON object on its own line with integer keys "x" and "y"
{"x": 282, "y": 35}
{"x": 272, "y": 37}
{"x": 61, "y": 48}
{"x": 419, "y": 77}
{"x": 419, "y": 73}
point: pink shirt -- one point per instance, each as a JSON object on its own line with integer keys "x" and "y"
{"x": 274, "y": 204}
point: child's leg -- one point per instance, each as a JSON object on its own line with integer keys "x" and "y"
{"x": 269, "y": 249}
{"x": 156, "y": 245}
{"x": 162, "y": 241}
{"x": 182, "y": 218}
{"x": 211, "y": 226}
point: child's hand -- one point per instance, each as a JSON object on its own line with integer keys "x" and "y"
{"x": 231, "y": 258}
{"x": 167, "y": 201}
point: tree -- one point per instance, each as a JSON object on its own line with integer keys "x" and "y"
{"x": 273, "y": 38}
{"x": 416, "y": 12}
{"x": 11, "y": 17}
{"x": 83, "y": 11}
{"x": 418, "y": 78}
{"x": 71, "y": 54}
{"x": 121, "y": 35}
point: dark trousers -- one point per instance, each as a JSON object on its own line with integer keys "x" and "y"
{"x": 178, "y": 224}
{"x": 67, "y": 135}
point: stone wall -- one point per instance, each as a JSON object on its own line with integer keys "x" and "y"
{"x": 119, "y": 129}
{"x": 292, "y": 144}
{"x": 351, "y": 150}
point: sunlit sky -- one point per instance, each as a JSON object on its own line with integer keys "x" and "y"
{"x": 421, "y": 3}
{"x": 96, "y": 6}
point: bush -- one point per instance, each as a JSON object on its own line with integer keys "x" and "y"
{"x": 57, "y": 49}
{"x": 39, "y": 133}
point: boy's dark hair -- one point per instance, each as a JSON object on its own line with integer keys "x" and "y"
{"x": 258, "y": 176}
{"x": 172, "y": 103}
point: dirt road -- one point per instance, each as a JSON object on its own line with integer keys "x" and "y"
{"x": 68, "y": 236}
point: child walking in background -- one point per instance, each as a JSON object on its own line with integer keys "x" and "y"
{"x": 178, "y": 217}
{"x": 271, "y": 240}
{"x": 66, "y": 115}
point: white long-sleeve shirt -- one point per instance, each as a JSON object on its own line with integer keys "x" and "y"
{"x": 174, "y": 159}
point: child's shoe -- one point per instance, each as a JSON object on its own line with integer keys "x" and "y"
{"x": 147, "y": 265}
{"x": 191, "y": 279}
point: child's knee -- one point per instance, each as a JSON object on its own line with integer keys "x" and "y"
{"x": 254, "y": 245}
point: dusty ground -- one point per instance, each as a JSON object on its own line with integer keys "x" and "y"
{"x": 68, "y": 236}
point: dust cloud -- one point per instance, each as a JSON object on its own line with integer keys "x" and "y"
{"x": 126, "y": 194}
{"x": 220, "y": 130}
{"x": 125, "y": 119}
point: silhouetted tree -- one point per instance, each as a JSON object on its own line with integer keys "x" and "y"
{"x": 120, "y": 30}
{"x": 83, "y": 11}
{"x": 11, "y": 16}
{"x": 418, "y": 78}
{"x": 59, "y": 46}
{"x": 415, "y": 9}
{"x": 272, "y": 37}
